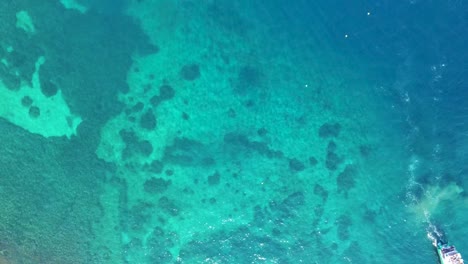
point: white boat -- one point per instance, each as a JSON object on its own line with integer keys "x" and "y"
{"x": 448, "y": 254}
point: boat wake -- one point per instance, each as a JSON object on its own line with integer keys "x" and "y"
{"x": 432, "y": 190}
{"x": 435, "y": 233}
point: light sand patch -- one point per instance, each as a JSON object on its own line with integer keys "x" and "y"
{"x": 46, "y": 116}
{"x": 24, "y": 21}
{"x": 72, "y": 4}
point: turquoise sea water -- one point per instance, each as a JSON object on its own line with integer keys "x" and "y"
{"x": 216, "y": 131}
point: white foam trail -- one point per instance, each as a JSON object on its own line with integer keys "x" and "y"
{"x": 412, "y": 183}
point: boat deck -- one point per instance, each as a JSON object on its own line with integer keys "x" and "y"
{"x": 449, "y": 255}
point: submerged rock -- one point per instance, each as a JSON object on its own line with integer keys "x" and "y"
{"x": 190, "y": 72}
{"x": 329, "y": 130}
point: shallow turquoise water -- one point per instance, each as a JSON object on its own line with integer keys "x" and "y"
{"x": 232, "y": 132}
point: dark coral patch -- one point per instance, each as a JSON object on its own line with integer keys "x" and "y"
{"x": 318, "y": 210}
{"x": 320, "y": 191}
{"x": 139, "y": 215}
{"x": 334, "y": 246}
{"x": 9, "y": 79}
{"x": 188, "y": 152}
{"x": 354, "y": 253}
{"x": 26, "y": 101}
{"x": 48, "y": 88}
{"x": 34, "y": 112}
{"x": 259, "y": 216}
{"x": 249, "y": 78}
{"x": 128, "y": 136}
{"x": 168, "y": 206}
{"x": 240, "y": 141}
{"x": 148, "y": 120}
{"x": 166, "y": 92}
{"x": 156, "y": 166}
{"x": 134, "y": 146}
{"x": 155, "y": 101}
{"x": 296, "y": 165}
{"x": 21, "y": 60}
{"x": 262, "y": 132}
{"x": 157, "y": 245}
{"x": 343, "y": 224}
{"x": 290, "y": 206}
{"x": 214, "y": 178}
{"x": 331, "y": 147}
{"x": 137, "y": 107}
{"x": 249, "y": 75}
{"x": 190, "y": 72}
{"x": 346, "y": 179}
{"x": 295, "y": 200}
{"x": 329, "y": 130}
{"x": 333, "y": 161}
{"x": 369, "y": 215}
{"x": 145, "y": 147}
{"x": 313, "y": 161}
{"x": 156, "y": 185}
